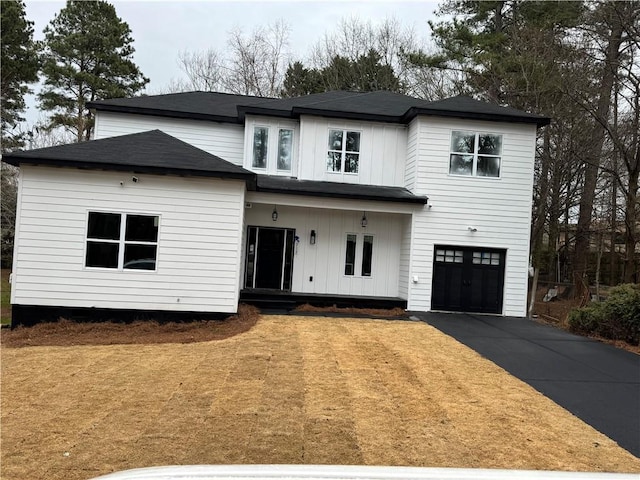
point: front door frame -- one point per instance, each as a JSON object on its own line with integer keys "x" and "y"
{"x": 252, "y": 254}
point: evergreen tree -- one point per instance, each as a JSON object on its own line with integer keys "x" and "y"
{"x": 88, "y": 55}
{"x": 19, "y": 68}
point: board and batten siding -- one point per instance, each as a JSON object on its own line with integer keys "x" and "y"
{"x": 383, "y": 151}
{"x": 198, "y": 260}
{"x": 225, "y": 140}
{"x": 499, "y": 208}
{"x": 324, "y": 262}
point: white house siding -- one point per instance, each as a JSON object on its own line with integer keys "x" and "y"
{"x": 383, "y": 150}
{"x": 199, "y": 246}
{"x": 273, "y": 124}
{"x": 325, "y": 260}
{"x": 225, "y": 140}
{"x": 405, "y": 258}
{"x": 412, "y": 156}
{"x": 500, "y": 208}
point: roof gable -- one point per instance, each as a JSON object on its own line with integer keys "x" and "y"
{"x": 151, "y": 152}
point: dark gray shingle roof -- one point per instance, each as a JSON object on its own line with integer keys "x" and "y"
{"x": 293, "y": 186}
{"x": 151, "y": 152}
{"x": 375, "y": 106}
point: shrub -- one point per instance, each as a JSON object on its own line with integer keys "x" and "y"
{"x": 618, "y": 317}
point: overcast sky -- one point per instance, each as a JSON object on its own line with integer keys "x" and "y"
{"x": 161, "y": 29}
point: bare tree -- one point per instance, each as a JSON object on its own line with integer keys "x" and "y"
{"x": 252, "y": 64}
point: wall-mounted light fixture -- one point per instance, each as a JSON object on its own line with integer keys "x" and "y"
{"x": 312, "y": 237}
{"x": 274, "y": 214}
{"x": 363, "y": 220}
{"x": 472, "y": 229}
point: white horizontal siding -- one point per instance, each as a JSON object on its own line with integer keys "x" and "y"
{"x": 198, "y": 260}
{"x": 383, "y": 151}
{"x": 222, "y": 139}
{"x": 325, "y": 261}
{"x": 412, "y": 156}
{"x": 499, "y": 208}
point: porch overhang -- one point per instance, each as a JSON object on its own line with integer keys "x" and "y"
{"x": 311, "y": 188}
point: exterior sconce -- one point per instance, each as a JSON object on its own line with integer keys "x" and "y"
{"x": 274, "y": 214}
{"x": 472, "y": 229}
{"x": 363, "y": 220}
{"x": 312, "y": 238}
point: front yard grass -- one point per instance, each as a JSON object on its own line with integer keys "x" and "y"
{"x": 292, "y": 390}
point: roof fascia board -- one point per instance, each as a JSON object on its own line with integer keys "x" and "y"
{"x": 378, "y": 198}
{"x": 491, "y": 117}
{"x": 18, "y": 161}
{"x": 163, "y": 113}
{"x": 347, "y": 115}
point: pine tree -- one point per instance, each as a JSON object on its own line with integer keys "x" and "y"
{"x": 88, "y": 55}
{"x": 19, "y": 68}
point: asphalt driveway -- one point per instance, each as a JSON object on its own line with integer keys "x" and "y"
{"x": 598, "y": 383}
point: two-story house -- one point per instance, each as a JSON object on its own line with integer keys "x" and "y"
{"x": 184, "y": 201}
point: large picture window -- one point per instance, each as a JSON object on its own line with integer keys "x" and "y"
{"x": 475, "y": 154}
{"x": 344, "y": 151}
{"x": 122, "y": 241}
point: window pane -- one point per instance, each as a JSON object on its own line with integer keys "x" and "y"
{"x": 367, "y": 254}
{"x": 105, "y": 226}
{"x": 350, "y": 258}
{"x": 141, "y": 228}
{"x": 285, "y": 141}
{"x": 463, "y": 142}
{"x": 260, "y": 141}
{"x": 334, "y": 161}
{"x": 461, "y": 164}
{"x": 100, "y": 254}
{"x": 490, "y": 144}
{"x": 488, "y": 167}
{"x": 335, "y": 139}
{"x": 351, "y": 163}
{"x": 140, "y": 257}
{"x": 353, "y": 142}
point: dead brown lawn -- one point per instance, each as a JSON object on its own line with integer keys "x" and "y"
{"x": 288, "y": 390}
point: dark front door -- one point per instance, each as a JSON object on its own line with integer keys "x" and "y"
{"x": 269, "y": 258}
{"x": 467, "y": 279}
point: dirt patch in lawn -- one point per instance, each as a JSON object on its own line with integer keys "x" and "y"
{"x": 67, "y": 333}
{"x": 358, "y": 312}
{"x": 292, "y": 390}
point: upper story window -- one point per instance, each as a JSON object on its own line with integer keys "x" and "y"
{"x": 260, "y": 147}
{"x": 122, "y": 241}
{"x": 272, "y": 149}
{"x": 285, "y": 147}
{"x": 344, "y": 151}
{"x": 475, "y": 154}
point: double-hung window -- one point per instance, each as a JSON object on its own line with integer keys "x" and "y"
{"x": 353, "y": 258}
{"x": 344, "y": 151}
{"x": 122, "y": 241}
{"x": 475, "y": 154}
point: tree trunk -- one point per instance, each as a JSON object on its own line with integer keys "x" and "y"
{"x": 631, "y": 230}
{"x": 581, "y": 252}
{"x": 541, "y": 210}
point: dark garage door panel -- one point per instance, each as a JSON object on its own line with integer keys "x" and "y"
{"x": 468, "y": 279}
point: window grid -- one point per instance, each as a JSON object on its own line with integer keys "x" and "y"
{"x": 343, "y": 151}
{"x": 126, "y": 248}
{"x": 475, "y": 154}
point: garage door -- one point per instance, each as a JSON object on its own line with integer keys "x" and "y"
{"x": 468, "y": 279}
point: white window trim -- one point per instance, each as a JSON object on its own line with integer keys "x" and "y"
{"x": 253, "y": 136}
{"x": 121, "y": 241}
{"x": 343, "y": 151}
{"x": 279, "y": 128}
{"x": 475, "y": 154}
{"x": 357, "y": 265}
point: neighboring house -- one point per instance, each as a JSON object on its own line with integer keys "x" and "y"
{"x": 185, "y": 202}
